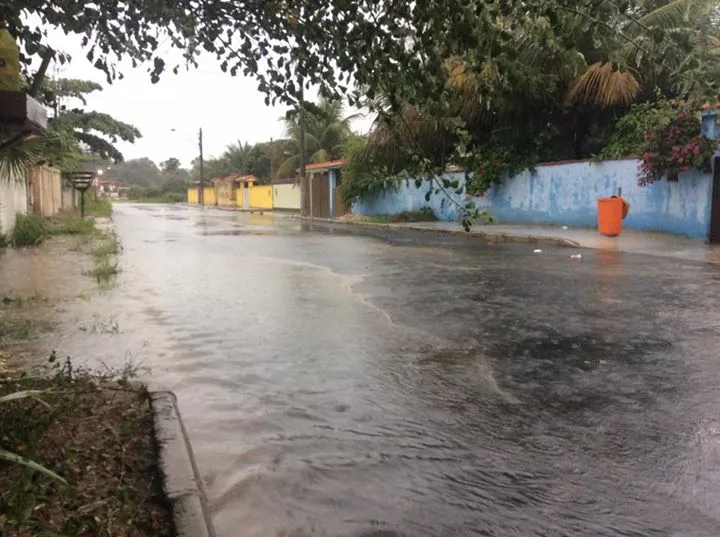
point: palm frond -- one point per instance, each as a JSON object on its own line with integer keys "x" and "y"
{"x": 674, "y": 14}
{"x": 289, "y": 167}
{"x": 17, "y": 159}
{"x": 321, "y": 155}
{"x": 604, "y": 85}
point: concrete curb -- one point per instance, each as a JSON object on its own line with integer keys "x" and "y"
{"x": 182, "y": 483}
{"x": 490, "y": 238}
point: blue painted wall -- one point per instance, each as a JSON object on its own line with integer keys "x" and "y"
{"x": 566, "y": 194}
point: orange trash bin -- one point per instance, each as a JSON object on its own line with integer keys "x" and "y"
{"x": 611, "y": 212}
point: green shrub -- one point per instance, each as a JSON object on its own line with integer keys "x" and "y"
{"x": 71, "y": 224}
{"x": 425, "y": 214}
{"x": 98, "y": 207}
{"x": 175, "y": 197}
{"x": 30, "y": 230}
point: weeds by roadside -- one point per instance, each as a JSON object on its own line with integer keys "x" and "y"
{"x": 30, "y": 230}
{"x": 71, "y": 224}
{"x": 94, "y": 429}
{"x": 108, "y": 247}
{"x": 104, "y": 271}
{"x": 98, "y": 207}
{"x": 423, "y": 215}
{"x": 106, "y": 266}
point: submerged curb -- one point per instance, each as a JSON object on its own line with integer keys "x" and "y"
{"x": 490, "y": 238}
{"x": 182, "y": 483}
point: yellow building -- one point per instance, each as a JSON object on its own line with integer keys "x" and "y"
{"x": 209, "y": 197}
{"x": 193, "y": 196}
{"x": 225, "y": 191}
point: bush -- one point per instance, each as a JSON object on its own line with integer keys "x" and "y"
{"x": 136, "y": 192}
{"x": 98, "y": 207}
{"x": 70, "y": 224}
{"x": 30, "y": 230}
{"x": 665, "y": 135}
{"x": 175, "y": 197}
{"x": 425, "y": 214}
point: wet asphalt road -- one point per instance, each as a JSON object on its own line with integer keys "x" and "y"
{"x": 342, "y": 384}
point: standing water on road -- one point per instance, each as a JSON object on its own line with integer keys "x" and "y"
{"x": 351, "y": 385}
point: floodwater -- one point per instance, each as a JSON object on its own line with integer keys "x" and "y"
{"x": 341, "y": 384}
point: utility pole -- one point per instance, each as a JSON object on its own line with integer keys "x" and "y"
{"x": 201, "y": 193}
{"x": 301, "y": 140}
{"x": 272, "y": 160}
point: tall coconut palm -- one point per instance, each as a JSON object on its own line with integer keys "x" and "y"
{"x": 326, "y": 130}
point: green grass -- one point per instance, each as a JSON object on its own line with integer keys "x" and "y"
{"x": 106, "y": 266}
{"x": 98, "y": 207}
{"x": 107, "y": 248}
{"x": 30, "y": 230}
{"x": 104, "y": 271}
{"x": 71, "y": 224}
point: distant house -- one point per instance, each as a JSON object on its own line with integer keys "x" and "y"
{"x": 320, "y": 190}
{"x": 108, "y": 189}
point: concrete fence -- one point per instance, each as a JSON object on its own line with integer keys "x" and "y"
{"x": 13, "y": 201}
{"x": 566, "y": 194}
{"x": 286, "y": 196}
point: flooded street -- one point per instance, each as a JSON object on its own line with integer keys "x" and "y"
{"x": 342, "y": 384}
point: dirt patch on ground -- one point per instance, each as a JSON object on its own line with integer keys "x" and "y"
{"x": 99, "y": 438}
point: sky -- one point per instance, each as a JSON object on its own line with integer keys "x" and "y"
{"x": 227, "y": 108}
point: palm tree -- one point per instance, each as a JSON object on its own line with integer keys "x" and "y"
{"x": 236, "y": 157}
{"x": 656, "y": 48}
{"x": 326, "y": 131}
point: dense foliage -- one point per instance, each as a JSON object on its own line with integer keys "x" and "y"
{"x": 544, "y": 86}
{"x": 665, "y": 135}
{"x": 490, "y": 86}
{"x": 74, "y": 135}
{"x": 261, "y": 160}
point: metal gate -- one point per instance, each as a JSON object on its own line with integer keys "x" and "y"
{"x": 715, "y": 204}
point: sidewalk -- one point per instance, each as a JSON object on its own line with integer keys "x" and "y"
{"x": 630, "y": 241}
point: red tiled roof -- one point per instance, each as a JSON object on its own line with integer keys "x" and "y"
{"x": 320, "y": 166}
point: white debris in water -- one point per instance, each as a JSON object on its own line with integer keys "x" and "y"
{"x": 576, "y": 256}
{"x": 537, "y": 251}
{"x": 564, "y": 227}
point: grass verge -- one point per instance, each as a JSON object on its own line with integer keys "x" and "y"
{"x": 101, "y": 207}
{"x": 423, "y": 215}
{"x": 94, "y": 430}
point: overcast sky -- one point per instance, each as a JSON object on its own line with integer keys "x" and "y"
{"x": 227, "y": 108}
